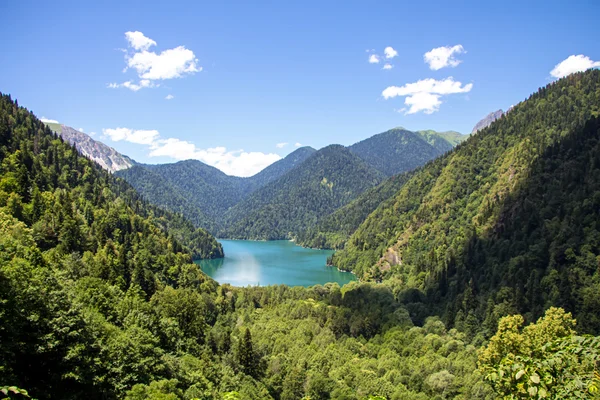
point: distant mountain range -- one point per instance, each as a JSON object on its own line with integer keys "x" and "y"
{"x": 327, "y": 180}
{"x": 399, "y": 150}
{"x": 290, "y": 197}
{"x": 487, "y": 120}
{"x": 108, "y": 158}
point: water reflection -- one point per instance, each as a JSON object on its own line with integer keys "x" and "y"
{"x": 274, "y": 262}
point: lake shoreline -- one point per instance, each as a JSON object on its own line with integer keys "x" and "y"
{"x": 273, "y": 262}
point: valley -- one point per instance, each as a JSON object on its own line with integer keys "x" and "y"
{"x": 276, "y": 203}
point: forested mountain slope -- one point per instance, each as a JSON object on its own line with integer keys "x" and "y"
{"x": 210, "y": 190}
{"x": 200, "y": 192}
{"x": 333, "y": 230}
{"x": 278, "y": 168}
{"x": 327, "y": 180}
{"x": 399, "y": 150}
{"x": 163, "y": 193}
{"x": 508, "y": 222}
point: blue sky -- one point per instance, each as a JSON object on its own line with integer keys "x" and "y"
{"x": 246, "y": 76}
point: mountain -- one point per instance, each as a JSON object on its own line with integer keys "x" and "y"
{"x": 163, "y": 193}
{"x": 329, "y": 179}
{"x": 487, "y": 120}
{"x": 278, "y": 168}
{"x": 399, "y": 150}
{"x": 333, "y": 230}
{"x": 440, "y": 140}
{"x": 200, "y": 192}
{"x": 108, "y": 158}
{"x": 507, "y": 223}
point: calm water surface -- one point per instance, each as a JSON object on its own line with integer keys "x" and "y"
{"x": 275, "y": 262}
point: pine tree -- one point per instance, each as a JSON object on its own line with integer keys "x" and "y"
{"x": 247, "y": 357}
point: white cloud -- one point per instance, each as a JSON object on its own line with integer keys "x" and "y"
{"x": 50, "y": 121}
{"x": 426, "y": 102}
{"x": 390, "y": 52}
{"x": 573, "y": 64}
{"x": 169, "y": 97}
{"x": 374, "y": 59}
{"x": 169, "y": 64}
{"x": 298, "y": 144}
{"x": 151, "y": 66}
{"x": 92, "y": 133}
{"x": 138, "y": 41}
{"x": 133, "y": 136}
{"x": 441, "y": 57}
{"x": 237, "y": 163}
{"x": 425, "y": 95}
{"x": 388, "y": 66}
{"x": 144, "y": 83}
{"x": 281, "y": 145}
{"x": 80, "y": 130}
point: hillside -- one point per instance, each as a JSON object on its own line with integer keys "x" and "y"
{"x": 509, "y": 217}
{"x": 107, "y": 157}
{"x": 162, "y": 193}
{"x": 200, "y": 192}
{"x": 327, "y": 180}
{"x": 334, "y": 230}
{"x": 278, "y": 169}
{"x": 207, "y": 191}
{"x": 399, "y": 150}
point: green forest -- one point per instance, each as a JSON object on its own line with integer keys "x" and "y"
{"x": 509, "y": 221}
{"x": 479, "y": 274}
{"x": 289, "y": 198}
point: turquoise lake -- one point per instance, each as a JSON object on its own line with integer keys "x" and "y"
{"x": 274, "y": 262}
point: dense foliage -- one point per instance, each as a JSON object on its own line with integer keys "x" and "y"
{"x": 200, "y": 192}
{"x": 544, "y": 360}
{"x": 509, "y": 221}
{"x": 279, "y": 168}
{"x": 399, "y": 150}
{"x": 99, "y": 298}
{"x": 329, "y": 179}
{"x": 333, "y": 230}
{"x": 223, "y": 204}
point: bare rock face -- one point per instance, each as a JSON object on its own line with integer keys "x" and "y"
{"x": 487, "y": 120}
{"x": 107, "y": 157}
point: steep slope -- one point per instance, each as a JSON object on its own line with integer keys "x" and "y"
{"x": 107, "y": 157}
{"x": 327, "y": 180}
{"x": 162, "y": 193}
{"x": 200, "y": 192}
{"x": 333, "y": 230}
{"x": 510, "y": 216}
{"x": 441, "y": 140}
{"x": 66, "y": 227}
{"x": 487, "y": 120}
{"x": 399, "y": 150}
{"x": 278, "y": 168}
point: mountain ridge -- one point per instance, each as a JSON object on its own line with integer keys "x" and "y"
{"x": 106, "y": 156}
